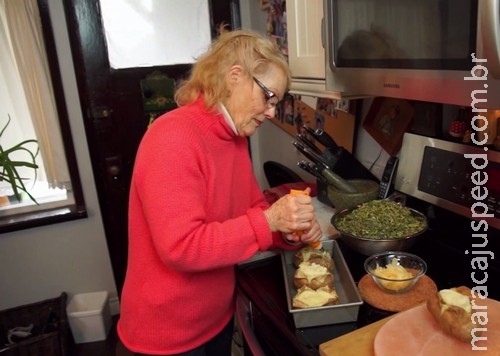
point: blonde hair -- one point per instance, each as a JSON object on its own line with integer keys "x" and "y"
{"x": 249, "y": 49}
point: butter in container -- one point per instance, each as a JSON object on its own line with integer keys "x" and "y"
{"x": 349, "y": 298}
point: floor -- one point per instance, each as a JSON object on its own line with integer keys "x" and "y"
{"x": 109, "y": 347}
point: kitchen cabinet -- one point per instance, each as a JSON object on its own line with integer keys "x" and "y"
{"x": 306, "y": 54}
{"x": 305, "y": 50}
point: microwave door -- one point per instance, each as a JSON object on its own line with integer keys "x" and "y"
{"x": 418, "y": 35}
{"x": 446, "y": 51}
{"x": 489, "y": 34}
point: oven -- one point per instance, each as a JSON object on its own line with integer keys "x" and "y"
{"x": 458, "y": 187}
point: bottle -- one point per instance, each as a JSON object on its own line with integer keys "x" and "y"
{"x": 317, "y": 245}
{"x": 459, "y": 125}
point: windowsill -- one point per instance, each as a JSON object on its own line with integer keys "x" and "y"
{"x": 45, "y": 197}
{"x": 54, "y": 206}
{"x": 41, "y": 218}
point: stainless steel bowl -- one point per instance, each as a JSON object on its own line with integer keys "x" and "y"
{"x": 370, "y": 245}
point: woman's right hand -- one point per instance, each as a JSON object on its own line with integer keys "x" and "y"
{"x": 291, "y": 213}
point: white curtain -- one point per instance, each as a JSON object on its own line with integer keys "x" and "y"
{"x": 21, "y": 27}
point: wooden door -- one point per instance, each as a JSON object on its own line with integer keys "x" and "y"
{"x": 115, "y": 121}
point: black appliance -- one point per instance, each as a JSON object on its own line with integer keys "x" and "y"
{"x": 458, "y": 187}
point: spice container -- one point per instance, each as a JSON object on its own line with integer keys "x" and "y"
{"x": 459, "y": 125}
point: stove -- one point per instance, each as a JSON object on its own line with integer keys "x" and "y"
{"x": 461, "y": 178}
{"x": 457, "y": 186}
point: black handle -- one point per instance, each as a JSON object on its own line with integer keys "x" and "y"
{"x": 317, "y": 171}
{"x": 322, "y": 137}
{"x": 325, "y": 139}
{"x": 306, "y": 167}
{"x": 309, "y": 130}
{"x": 311, "y": 155}
{"x": 306, "y": 141}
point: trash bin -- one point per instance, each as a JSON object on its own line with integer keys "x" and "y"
{"x": 89, "y": 316}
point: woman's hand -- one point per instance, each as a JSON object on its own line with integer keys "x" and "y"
{"x": 294, "y": 215}
{"x": 307, "y": 236}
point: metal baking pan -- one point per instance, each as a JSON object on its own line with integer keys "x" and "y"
{"x": 350, "y": 299}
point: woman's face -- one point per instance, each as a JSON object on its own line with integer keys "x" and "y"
{"x": 248, "y": 103}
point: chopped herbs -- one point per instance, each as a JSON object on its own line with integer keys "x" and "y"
{"x": 381, "y": 219}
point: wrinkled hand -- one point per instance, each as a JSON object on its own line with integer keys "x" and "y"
{"x": 294, "y": 215}
{"x": 308, "y": 236}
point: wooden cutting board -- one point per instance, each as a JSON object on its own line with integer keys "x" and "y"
{"x": 356, "y": 343}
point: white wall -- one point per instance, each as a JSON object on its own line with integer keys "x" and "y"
{"x": 40, "y": 263}
{"x": 271, "y": 143}
{"x": 367, "y": 150}
{"x": 252, "y": 16}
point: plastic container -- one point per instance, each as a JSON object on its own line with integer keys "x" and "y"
{"x": 89, "y": 317}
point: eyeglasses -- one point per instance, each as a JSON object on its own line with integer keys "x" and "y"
{"x": 271, "y": 98}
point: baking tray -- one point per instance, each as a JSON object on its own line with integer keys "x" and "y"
{"x": 350, "y": 299}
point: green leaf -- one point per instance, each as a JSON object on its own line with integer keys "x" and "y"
{"x": 8, "y": 171}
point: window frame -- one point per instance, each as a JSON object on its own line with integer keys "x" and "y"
{"x": 39, "y": 216}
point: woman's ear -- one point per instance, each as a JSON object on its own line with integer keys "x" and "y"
{"x": 234, "y": 75}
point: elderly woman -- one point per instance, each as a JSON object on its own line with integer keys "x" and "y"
{"x": 196, "y": 209}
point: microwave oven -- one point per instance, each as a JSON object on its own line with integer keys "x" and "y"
{"x": 444, "y": 51}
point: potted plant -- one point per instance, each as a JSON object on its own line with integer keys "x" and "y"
{"x": 9, "y": 166}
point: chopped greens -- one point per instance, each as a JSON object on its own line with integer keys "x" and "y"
{"x": 381, "y": 219}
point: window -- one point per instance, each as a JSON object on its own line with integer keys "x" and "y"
{"x": 32, "y": 107}
{"x": 145, "y": 43}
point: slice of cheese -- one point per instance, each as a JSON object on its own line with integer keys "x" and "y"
{"x": 312, "y": 270}
{"x": 315, "y": 298}
{"x": 449, "y": 297}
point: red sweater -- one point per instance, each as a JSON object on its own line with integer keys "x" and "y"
{"x": 195, "y": 211}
